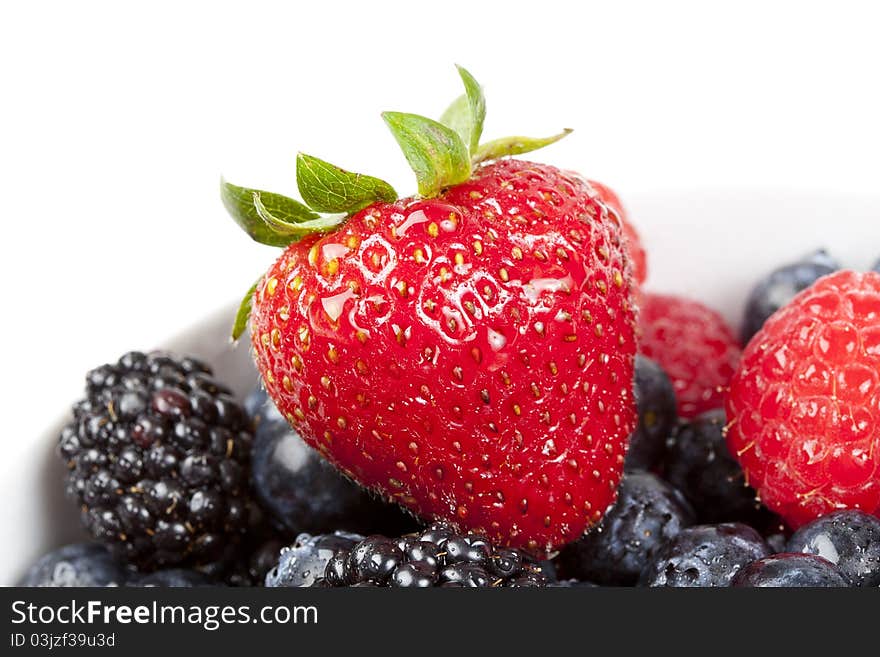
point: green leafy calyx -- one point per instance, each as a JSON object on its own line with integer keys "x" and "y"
{"x": 328, "y": 188}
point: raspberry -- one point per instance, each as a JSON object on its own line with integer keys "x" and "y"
{"x": 804, "y": 406}
{"x": 694, "y": 345}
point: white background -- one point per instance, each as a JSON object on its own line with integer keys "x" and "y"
{"x": 116, "y": 123}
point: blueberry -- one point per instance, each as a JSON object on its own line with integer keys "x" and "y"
{"x": 80, "y": 564}
{"x": 700, "y": 466}
{"x": 876, "y": 267}
{"x": 647, "y": 513}
{"x": 172, "y": 578}
{"x": 655, "y": 401}
{"x": 704, "y": 555}
{"x": 789, "y": 570}
{"x": 849, "y": 539}
{"x": 304, "y": 563}
{"x": 780, "y": 286}
{"x": 302, "y": 491}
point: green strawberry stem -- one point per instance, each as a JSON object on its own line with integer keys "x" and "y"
{"x": 441, "y": 153}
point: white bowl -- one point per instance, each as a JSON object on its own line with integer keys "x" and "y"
{"x": 711, "y": 245}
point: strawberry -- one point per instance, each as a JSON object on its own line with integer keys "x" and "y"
{"x": 467, "y": 352}
{"x": 693, "y": 344}
{"x": 637, "y": 254}
{"x": 804, "y": 405}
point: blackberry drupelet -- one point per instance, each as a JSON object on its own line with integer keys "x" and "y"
{"x": 780, "y": 286}
{"x": 790, "y": 570}
{"x": 159, "y": 455}
{"x": 437, "y": 557}
{"x": 655, "y": 401}
{"x": 704, "y": 555}
{"x": 648, "y": 512}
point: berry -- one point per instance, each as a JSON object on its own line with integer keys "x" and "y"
{"x": 876, "y": 267}
{"x": 655, "y": 402}
{"x": 158, "y": 456}
{"x": 848, "y": 539}
{"x": 636, "y": 251}
{"x": 699, "y": 465}
{"x": 802, "y": 407}
{"x": 438, "y": 557}
{"x": 172, "y": 578}
{"x": 789, "y": 570}
{"x": 467, "y": 353}
{"x": 780, "y": 286}
{"x": 648, "y": 512}
{"x": 704, "y": 555}
{"x": 304, "y": 562}
{"x": 301, "y": 490}
{"x": 694, "y": 345}
{"x": 79, "y": 564}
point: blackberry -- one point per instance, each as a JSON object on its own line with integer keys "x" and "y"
{"x": 700, "y": 466}
{"x": 172, "y": 578}
{"x": 789, "y": 570}
{"x": 780, "y": 286}
{"x": 437, "y": 557}
{"x": 80, "y": 564}
{"x": 159, "y": 455}
{"x": 647, "y": 513}
{"x": 704, "y": 555}
{"x": 655, "y": 400}
{"x": 302, "y": 491}
{"x": 304, "y": 562}
{"x": 849, "y": 539}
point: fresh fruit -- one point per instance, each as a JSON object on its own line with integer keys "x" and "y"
{"x": 790, "y": 570}
{"x": 172, "y": 578}
{"x": 780, "y": 286}
{"x": 648, "y": 512}
{"x": 704, "y": 555}
{"x": 848, "y": 539}
{"x": 303, "y": 563}
{"x": 79, "y": 564}
{"x": 655, "y": 402}
{"x": 876, "y": 267}
{"x": 803, "y": 406}
{"x": 637, "y": 254}
{"x": 699, "y": 465}
{"x": 439, "y": 556}
{"x": 467, "y": 353}
{"x": 694, "y": 345}
{"x": 302, "y": 491}
{"x": 158, "y": 456}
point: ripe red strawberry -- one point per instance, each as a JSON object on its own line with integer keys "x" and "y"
{"x": 637, "y": 255}
{"x": 804, "y": 405}
{"x": 467, "y": 353}
{"x": 693, "y": 344}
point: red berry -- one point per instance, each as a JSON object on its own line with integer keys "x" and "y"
{"x": 468, "y": 356}
{"x": 637, "y": 254}
{"x": 804, "y": 406}
{"x": 694, "y": 345}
